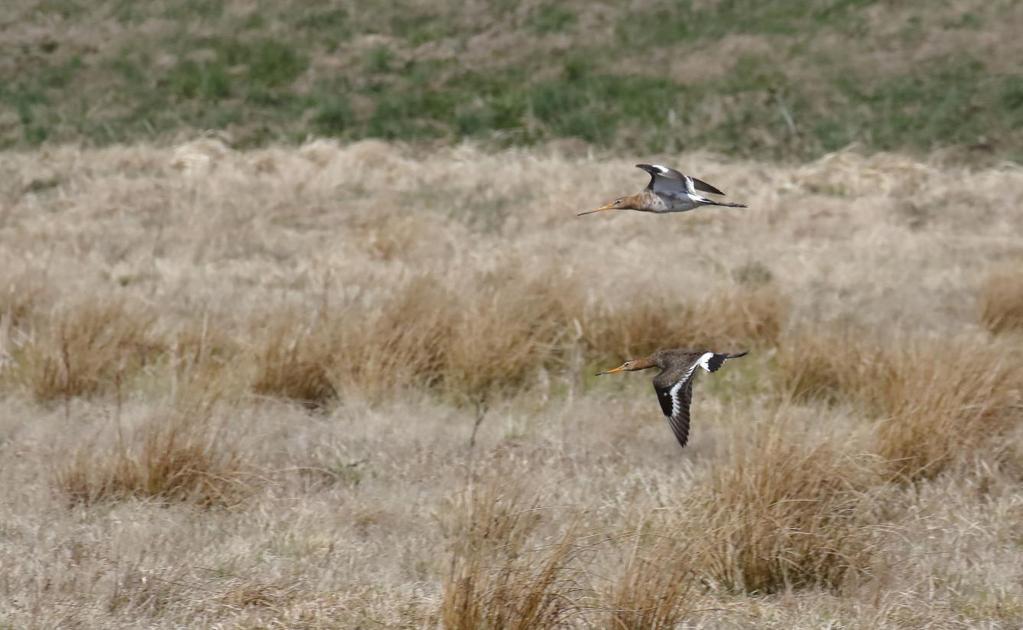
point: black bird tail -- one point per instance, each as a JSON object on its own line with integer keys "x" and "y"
{"x": 717, "y": 359}
{"x": 728, "y": 204}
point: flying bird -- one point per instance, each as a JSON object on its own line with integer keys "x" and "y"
{"x": 674, "y": 383}
{"x": 668, "y": 191}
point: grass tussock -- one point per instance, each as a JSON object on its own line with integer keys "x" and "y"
{"x": 172, "y": 457}
{"x": 656, "y": 589}
{"x": 85, "y": 349}
{"x": 294, "y": 369}
{"x": 1001, "y": 302}
{"x": 734, "y": 318}
{"x": 938, "y": 400}
{"x": 509, "y": 333}
{"x": 830, "y": 367}
{"x": 373, "y": 348}
{"x": 492, "y": 337}
{"x": 780, "y": 512}
{"x": 947, "y": 401}
{"x": 496, "y": 579}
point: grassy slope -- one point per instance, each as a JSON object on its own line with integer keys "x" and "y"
{"x": 764, "y": 79}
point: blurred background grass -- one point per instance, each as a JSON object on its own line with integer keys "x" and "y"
{"x": 769, "y": 79}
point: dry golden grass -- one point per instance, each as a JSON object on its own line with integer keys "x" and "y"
{"x": 85, "y": 349}
{"x": 939, "y": 401}
{"x": 657, "y": 588}
{"x": 448, "y": 306}
{"x": 830, "y": 367}
{"x": 733, "y": 318}
{"x": 175, "y": 456}
{"x": 947, "y": 402}
{"x": 489, "y": 338}
{"x": 295, "y": 367}
{"x": 782, "y": 510}
{"x": 495, "y": 580}
{"x": 1001, "y": 302}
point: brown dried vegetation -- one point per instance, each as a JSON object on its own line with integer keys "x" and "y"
{"x": 782, "y": 510}
{"x": 937, "y": 401}
{"x": 179, "y": 455}
{"x": 948, "y": 401}
{"x": 657, "y": 587}
{"x": 490, "y": 337}
{"x": 1001, "y": 302}
{"x": 861, "y": 463}
{"x": 84, "y": 349}
{"x": 496, "y": 580}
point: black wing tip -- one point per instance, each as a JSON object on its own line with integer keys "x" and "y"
{"x": 699, "y": 184}
{"x": 681, "y": 430}
{"x": 715, "y": 362}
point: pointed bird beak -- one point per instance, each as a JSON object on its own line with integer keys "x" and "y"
{"x": 617, "y": 369}
{"x": 606, "y": 206}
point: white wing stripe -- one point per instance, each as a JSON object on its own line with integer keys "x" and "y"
{"x": 673, "y": 392}
{"x": 675, "y": 403}
{"x": 703, "y": 361}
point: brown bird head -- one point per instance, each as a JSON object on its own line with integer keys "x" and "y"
{"x": 632, "y": 366}
{"x": 629, "y": 202}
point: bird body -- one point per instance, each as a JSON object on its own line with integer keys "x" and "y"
{"x": 674, "y": 383}
{"x": 668, "y": 191}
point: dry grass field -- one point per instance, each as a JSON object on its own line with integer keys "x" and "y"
{"x": 351, "y": 386}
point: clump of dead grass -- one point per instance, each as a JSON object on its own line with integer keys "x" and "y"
{"x": 732, "y": 318}
{"x": 399, "y": 340}
{"x": 829, "y": 366}
{"x": 1001, "y": 302}
{"x": 781, "y": 511}
{"x": 175, "y": 456}
{"x": 85, "y": 348}
{"x": 496, "y": 580}
{"x": 295, "y": 369}
{"x": 484, "y": 334}
{"x": 657, "y": 588}
{"x": 947, "y": 401}
{"x": 507, "y": 334}
{"x": 937, "y": 400}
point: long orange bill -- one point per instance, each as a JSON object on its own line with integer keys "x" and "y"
{"x": 606, "y": 206}
{"x": 617, "y": 369}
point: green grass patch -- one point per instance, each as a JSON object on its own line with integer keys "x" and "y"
{"x": 411, "y": 72}
{"x": 551, "y": 18}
